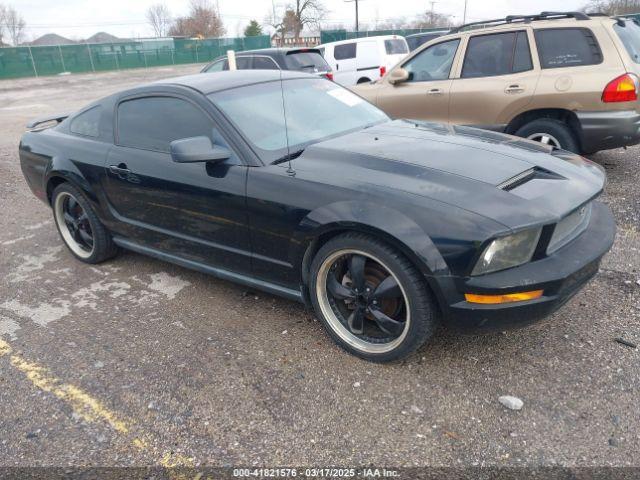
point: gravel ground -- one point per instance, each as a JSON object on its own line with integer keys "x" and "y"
{"x": 138, "y": 362}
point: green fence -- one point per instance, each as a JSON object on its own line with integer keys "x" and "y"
{"x": 337, "y": 35}
{"x": 144, "y": 53}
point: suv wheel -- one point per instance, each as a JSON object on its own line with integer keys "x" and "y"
{"x": 550, "y": 132}
{"x": 371, "y": 299}
{"x": 78, "y": 225}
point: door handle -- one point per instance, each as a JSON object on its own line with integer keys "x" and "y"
{"x": 435, "y": 91}
{"x": 120, "y": 169}
{"x": 514, "y": 89}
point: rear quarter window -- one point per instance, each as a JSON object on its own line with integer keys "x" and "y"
{"x": 567, "y": 47}
{"x": 344, "y": 51}
{"x": 87, "y": 123}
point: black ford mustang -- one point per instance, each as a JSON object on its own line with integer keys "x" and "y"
{"x": 291, "y": 184}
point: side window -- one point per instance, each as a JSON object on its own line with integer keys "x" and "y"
{"x": 152, "y": 123}
{"x": 87, "y": 123}
{"x": 218, "y": 66}
{"x": 567, "y": 47}
{"x": 264, "y": 63}
{"x": 496, "y": 54}
{"x": 344, "y": 51}
{"x": 242, "y": 63}
{"x": 433, "y": 63}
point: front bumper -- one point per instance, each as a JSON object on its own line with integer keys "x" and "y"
{"x": 561, "y": 275}
{"x": 606, "y": 130}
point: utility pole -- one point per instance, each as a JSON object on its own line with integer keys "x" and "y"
{"x": 431, "y": 18}
{"x": 356, "y": 2}
{"x": 464, "y": 17}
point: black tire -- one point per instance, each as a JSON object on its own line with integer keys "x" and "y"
{"x": 557, "y": 129}
{"x": 421, "y": 312}
{"x": 363, "y": 80}
{"x": 102, "y": 247}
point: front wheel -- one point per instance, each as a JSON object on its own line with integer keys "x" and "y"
{"x": 374, "y": 303}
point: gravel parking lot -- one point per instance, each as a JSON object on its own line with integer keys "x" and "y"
{"x": 139, "y": 362}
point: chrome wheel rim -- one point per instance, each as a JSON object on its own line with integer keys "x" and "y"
{"x": 74, "y": 226}
{"x": 363, "y": 301}
{"x": 546, "y": 139}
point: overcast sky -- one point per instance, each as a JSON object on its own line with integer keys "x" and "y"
{"x": 126, "y": 18}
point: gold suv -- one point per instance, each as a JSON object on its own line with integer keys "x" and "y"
{"x": 566, "y": 79}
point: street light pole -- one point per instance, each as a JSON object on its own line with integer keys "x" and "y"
{"x": 356, "y": 2}
{"x": 464, "y": 17}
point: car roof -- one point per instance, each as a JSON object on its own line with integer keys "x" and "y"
{"x": 537, "y": 24}
{"x": 214, "y": 82}
{"x": 274, "y": 51}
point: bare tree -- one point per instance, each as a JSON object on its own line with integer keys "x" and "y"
{"x": 159, "y": 17}
{"x": 306, "y": 13}
{"x": 613, "y": 7}
{"x": 203, "y": 21}
{"x": 432, "y": 20}
{"x": 3, "y": 15}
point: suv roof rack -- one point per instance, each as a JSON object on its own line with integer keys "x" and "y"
{"x": 523, "y": 19}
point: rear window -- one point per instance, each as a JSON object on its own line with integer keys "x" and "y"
{"x": 629, "y": 34}
{"x": 344, "y": 51}
{"x": 310, "y": 61}
{"x": 396, "y": 47}
{"x": 567, "y": 47}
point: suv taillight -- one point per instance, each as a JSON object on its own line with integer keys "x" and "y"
{"x": 329, "y": 75}
{"x": 383, "y": 70}
{"x": 621, "y": 89}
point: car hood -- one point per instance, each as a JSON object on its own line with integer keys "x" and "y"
{"x": 511, "y": 180}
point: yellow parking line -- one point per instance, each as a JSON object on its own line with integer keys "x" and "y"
{"x": 87, "y": 407}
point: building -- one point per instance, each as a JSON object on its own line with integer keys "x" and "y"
{"x": 307, "y": 38}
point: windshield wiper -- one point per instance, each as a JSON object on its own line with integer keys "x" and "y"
{"x": 288, "y": 156}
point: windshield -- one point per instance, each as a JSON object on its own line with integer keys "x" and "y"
{"x": 630, "y": 36}
{"x": 396, "y": 46}
{"x": 306, "y": 61}
{"x": 317, "y": 109}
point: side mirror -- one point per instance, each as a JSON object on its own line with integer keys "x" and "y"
{"x": 398, "y": 75}
{"x": 197, "y": 149}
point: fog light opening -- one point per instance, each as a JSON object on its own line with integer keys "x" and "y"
{"x": 507, "y": 298}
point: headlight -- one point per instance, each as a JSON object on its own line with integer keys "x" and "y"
{"x": 507, "y": 252}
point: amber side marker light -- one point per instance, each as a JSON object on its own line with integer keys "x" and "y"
{"x": 508, "y": 298}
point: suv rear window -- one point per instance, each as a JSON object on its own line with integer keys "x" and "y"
{"x": 567, "y": 47}
{"x": 395, "y": 47}
{"x": 497, "y": 54}
{"x": 344, "y": 51}
{"x": 306, "y": 61}
{"x": 629, "y": 34}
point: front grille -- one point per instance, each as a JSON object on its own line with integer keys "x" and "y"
{"x": 569, "y": 228}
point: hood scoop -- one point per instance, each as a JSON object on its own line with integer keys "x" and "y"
{"x": 535, "y": 173}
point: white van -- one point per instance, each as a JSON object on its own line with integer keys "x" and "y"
{"x": 363, "y": 59}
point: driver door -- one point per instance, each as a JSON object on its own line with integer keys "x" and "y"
{"x": 425, "y": 95}
{"x": 194, "y": 211}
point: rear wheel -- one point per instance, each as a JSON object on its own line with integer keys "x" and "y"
{"x": 78, "y": 225}
{"x": 363, "y": 80}
{"x": 550, "y": 132}
{"x": 372, "y": 300}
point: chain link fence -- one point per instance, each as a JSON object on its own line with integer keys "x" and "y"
{"x": 32, "y": 61}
